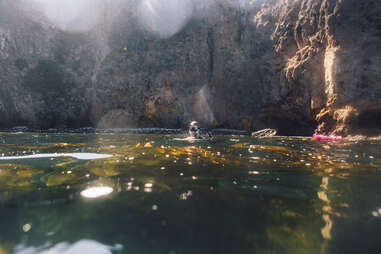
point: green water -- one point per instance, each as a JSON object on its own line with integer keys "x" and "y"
{"x": 230, "y": 194}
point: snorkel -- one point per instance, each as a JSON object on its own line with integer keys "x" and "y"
{"x": 194, "y": 130}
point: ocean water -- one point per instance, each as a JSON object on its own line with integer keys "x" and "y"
{"x": 125, "y": 193}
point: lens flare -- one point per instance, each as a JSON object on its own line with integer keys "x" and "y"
{"x": 164, "y": 18}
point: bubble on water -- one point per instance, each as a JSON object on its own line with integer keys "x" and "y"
{"x": 26, "y": 227}
{"x": 186, "y": 195}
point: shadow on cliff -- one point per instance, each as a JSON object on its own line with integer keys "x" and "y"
{"x": 369, "y": 123}
{"x": 288, "y": 122}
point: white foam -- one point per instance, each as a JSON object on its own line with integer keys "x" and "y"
{"x": 82, "y": 246}
{"x": 79, "y": 156}
{"x": 186, "y": 139}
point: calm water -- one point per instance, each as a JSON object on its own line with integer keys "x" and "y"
{"x": 158, "y": 194}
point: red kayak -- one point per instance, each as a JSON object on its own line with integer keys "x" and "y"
{"x": 326, "y": 138}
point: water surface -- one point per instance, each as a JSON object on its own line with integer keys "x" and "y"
{"x": 124, "y": 193}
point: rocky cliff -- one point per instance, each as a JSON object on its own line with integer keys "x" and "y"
{"x": 293, "y": 65}
{"x": 330, "y": 59}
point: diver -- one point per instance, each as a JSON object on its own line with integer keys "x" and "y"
{"x": 194, "y": 131}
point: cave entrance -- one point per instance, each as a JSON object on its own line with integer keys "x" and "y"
{"x": 293, "y": 122}
{"x": 370, "y": 121}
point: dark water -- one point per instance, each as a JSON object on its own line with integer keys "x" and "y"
{"x": 229, "y": 194}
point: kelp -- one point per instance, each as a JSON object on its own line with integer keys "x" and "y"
{"x": 5, "y": 250}
{"x": 145, "y": 155}
{"x": 63, "y": 178}
{"x": 14, "y": 176}
{"x": 105, "y": 172}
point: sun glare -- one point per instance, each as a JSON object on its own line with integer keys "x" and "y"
{"x": 96, "y": 192}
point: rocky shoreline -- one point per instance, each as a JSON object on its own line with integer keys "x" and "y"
{"x": 24, "y": 129}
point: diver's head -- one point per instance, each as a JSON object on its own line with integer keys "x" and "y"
{"x": 194, "y": 129}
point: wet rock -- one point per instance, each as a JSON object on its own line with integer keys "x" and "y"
{"x": 20, "y": 129}
{"x": 86, "y": 130}
{"x": 228, "y": 132}
{"x": 141, "y": 131}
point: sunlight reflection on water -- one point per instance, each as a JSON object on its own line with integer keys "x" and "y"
{"x": 96, "y": 192}
{"x": 82, "y": 246}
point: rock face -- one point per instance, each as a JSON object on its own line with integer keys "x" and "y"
{"x": 44, "y": 72}
{"x": 330, "y": 55}
{"x": 292, "y": 65}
